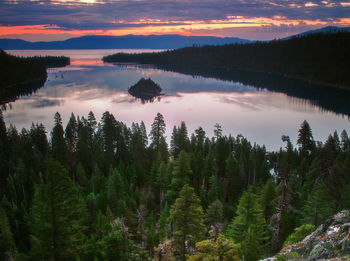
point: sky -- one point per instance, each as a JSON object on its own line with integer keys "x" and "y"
{"x": 38, "y": 20}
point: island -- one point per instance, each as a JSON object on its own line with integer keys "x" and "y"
{"x": 145, "y": 89}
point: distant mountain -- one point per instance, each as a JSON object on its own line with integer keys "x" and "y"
{"x": 122, "y": 42}
{"x": 324, "y": 30}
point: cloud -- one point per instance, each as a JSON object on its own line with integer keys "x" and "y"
{"x": 182, "y": 15}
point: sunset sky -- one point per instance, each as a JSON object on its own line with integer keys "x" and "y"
{"x": 37, "y": 20}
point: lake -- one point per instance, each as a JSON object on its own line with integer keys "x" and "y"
{"x": 260, "y": 107}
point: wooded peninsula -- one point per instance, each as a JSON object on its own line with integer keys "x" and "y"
{"x": 317, "y": 58}
{"x": 23, "y": 75}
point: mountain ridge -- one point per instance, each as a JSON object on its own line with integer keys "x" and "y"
{"x": 169, "y": 41}
{"x": 323, "y": 30}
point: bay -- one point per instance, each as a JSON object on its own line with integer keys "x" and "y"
{"x": 260, "y": 107}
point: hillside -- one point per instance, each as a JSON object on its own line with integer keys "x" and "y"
{"x": 121, "y": 42}
{"x": 20, "y": 75}
{"x": 15, "y": 70}
{"x": 317, "y": 58}
{"x": 330, "y": 241}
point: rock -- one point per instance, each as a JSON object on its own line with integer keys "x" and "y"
{"x": 330, "y": 241}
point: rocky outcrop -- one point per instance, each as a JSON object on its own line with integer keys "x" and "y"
{"x": 330, "y": 241}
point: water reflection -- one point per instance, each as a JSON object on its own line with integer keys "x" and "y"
{"x": 329, "y": 99}
{"x": 248, "y": 104}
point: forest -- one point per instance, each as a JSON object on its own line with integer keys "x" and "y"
{"x": 107, "y": 191}
{"x": 16, "y": 70}
{"x": 317, "y": 58}
{"x": 24, "y": 75}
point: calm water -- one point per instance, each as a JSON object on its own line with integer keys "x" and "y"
{"x": 259, "y": 114}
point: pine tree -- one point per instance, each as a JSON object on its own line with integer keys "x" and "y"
{"x": 157, "y": 131}
{"x": 7, "y": 244}
{"x": 180, "y": 176}
{"x": 58, "y": 144}
{"x": 187, "y": 217}
{"x": 345, "y": 141}
{"x": 248, "y": 227}
{"x": 267, "y": 198}
{"x": 318, "y": 206}
{"x": 214, "y": 217}
{"x": 179, "y": 140}
{"x": 305, "y": 139}
{"x": 115, "y": 192}
{"x": 80, "y": 177}
{"x": 214, "y": 188}
{"x": 58, "y": 218}
{"x": 217, "y": 131}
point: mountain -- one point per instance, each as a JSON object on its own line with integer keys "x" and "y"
{"x": 323, "y": 30}
{"x": 330, "y": 241}
{"x": 122, "y": 42}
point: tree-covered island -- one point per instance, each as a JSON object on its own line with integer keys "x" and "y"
{"x": 145, "y": 89}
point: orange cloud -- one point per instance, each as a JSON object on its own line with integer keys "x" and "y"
{"x": 157, "y": 26}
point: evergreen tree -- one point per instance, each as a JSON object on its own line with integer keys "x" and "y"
{"x": 214, "y": 188}
{"x": 157, "y": 131}
{"x": 39, "y": 139}
{"x": 249, "y": 227}
{"x": 179, "y": 140}
{"x": 80, "y": 176}
{"x": 267, "y": 198}
{"x": 4, "y": 153}
{"x": 217, "y": 131}
{"x": 7, "y": 244}
{"x": 345, "y": 141}
{"x": 187, "y": 217}
{"x": 214, "y": 217}
{"x": 318, "y": 206}
{"x": 115, "y": 192}
{"x": 58, "y": 218}
{"x": 109, "y": 135}
{"x": 58, "y": 144}
{"x": 181, "y": 175}
{"x": 305, "y": 139}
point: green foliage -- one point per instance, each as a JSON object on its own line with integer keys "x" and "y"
{"x": 187, "y": 217}
{"x": 267, "y": 198}
{"x": 180, "y": 176}
{"x": 221, "y": 249}
{"x": 90, "y": 208}
{"x": 290, "y": 256}
{"x": 249, "y": 227}
{"x": 58, "y": 144}
{"x": 58, "y": 218}
{"x": 7, "y": 244}
{"x": 305, "y": 139}
{"x": 115, "y": 193}
{"x": 299, "y": 234}
{"x": 157, "y": 131}
{"x": 318, "y": 206}
{"x": 214, "y": 215}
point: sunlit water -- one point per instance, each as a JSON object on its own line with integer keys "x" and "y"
{"x": 88, "y": 84}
